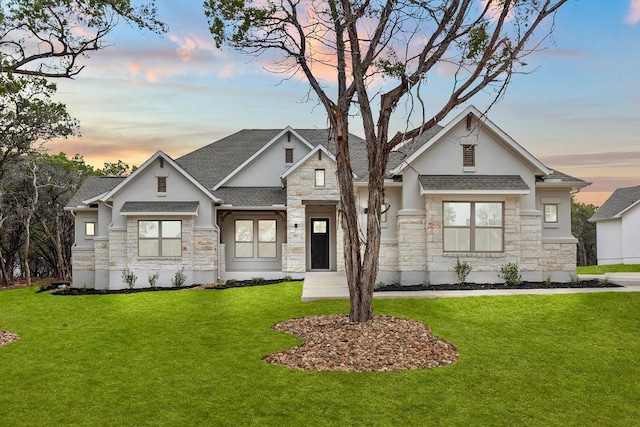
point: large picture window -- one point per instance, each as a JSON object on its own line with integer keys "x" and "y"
{"x": 473, "y": 226}
{"x": 248, "y": 232}
{"x": 159, "y": 238}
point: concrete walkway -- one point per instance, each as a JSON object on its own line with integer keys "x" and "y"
{"x": 333, "y": 285}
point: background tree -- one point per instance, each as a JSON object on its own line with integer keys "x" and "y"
{"x": 584, "y": 231}
{"x": 41, "y": 39}
{"x": 381, "y": 53}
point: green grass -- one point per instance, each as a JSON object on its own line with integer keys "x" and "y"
{"x": 194, "y": 358}
{"x": 612, "y": 268}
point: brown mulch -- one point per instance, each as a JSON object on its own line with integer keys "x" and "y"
{"x": 7, "y": 337}
{"x": 385, "y": 343}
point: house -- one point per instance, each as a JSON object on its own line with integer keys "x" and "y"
{"x": 265, "y": 203}
{"x": 618, "y": 227}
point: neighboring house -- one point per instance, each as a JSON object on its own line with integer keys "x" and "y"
{"x": 618, "y": 227}
{"x": 265, "y": 203}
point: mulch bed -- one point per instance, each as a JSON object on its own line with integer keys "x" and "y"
{"x": 384, "y": 344}
{"x": 483, "y": 286}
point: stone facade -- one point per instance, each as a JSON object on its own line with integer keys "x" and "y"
{"x": 301, "y": 188}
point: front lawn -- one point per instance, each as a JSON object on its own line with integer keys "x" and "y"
{"x": 612, "y": 268}
{"x": 195, "y": 358}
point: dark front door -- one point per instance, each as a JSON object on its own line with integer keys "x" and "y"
{"x": 319, "y": 243}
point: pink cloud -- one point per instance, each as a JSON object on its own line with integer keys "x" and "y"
{"x": 633, "y": 16}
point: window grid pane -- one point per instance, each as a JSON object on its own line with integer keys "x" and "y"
{"x": 473, "y": 227}
{"x": 550, "y": 213}
{"x": 160, "y": 238}
{"x": 89, "y": 228}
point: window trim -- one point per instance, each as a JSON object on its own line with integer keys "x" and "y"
{"x": 160, "y": 239}
{"x": 472, "y": 227}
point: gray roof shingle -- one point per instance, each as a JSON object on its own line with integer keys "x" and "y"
{"x": 160, "y": 207}
{"x": 473, "y": 182}
{"x": 94, "y": 186}
{"x": 252, "y": 196}
{"x": 620, "y": 200}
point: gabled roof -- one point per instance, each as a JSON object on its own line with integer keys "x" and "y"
{"x": 618, "y": 203}
{"x": 474, "y": 184}
{"x": 139, "y": 171}
{"x": 260, "y": 151}
{"x": 310, "y": 154}
{"x": 487, "y": 124}
{"x": 91, "y": 187}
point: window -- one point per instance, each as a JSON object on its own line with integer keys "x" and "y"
{"x": 244, "y": 238}
{"x": 267, "y": 238}
{"x": 162, "y": 184}
{"x": 319, "y": 177}
{"x": 89, "y": 229}
{"x": 468, "y": 155}
{"x": 473, "y": 226}
{"x": 288, "y": 155}
{"x": 262, "y": 231}
{"x": 160, "y": 238}
{"x": 551, "y": 213}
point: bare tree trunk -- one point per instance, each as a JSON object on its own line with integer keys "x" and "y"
{"x": 30, "y": 212}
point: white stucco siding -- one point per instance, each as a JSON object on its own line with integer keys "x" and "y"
{"x": 609, "y": 238}
{"x": 631, "y": 235}
{"x": 393, "y": 198}
{"x": 560, "y": 230}
{"x": 492, "y": 157}
{"x": 81, "y": 239}
{"x": 266, "y": 168}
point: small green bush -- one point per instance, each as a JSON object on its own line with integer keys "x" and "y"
{"x": 510, "y": 273}
{"x": 462, "y": 269}
{"x": 287, "y": 279}
{"x": 129, "y": 278}
{"x": 153, "y": 278}
{"x": 179, "y": 279}
{"x": 257, "y": 280}
{"x": 231, "y": 282}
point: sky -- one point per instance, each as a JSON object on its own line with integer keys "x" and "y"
{"x": 578, "y": 110}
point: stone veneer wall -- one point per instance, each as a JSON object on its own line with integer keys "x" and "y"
{"x": 199, "y": 256}
{"x": 522, "y": 245}
{"x": 412, "y": 246}
{"x": 301, "y": 186}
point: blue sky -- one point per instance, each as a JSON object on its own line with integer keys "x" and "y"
{"x": 578, "y": 111}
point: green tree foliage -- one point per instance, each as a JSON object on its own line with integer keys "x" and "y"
{"x": 584, "y": 231}
{"x": 379, "y": 56}
{"x": 29, "y": 117}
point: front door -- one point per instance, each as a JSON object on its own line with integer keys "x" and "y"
{"x": 319, "y": 243}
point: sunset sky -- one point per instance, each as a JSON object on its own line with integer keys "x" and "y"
{"x": 578, "y": 111}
